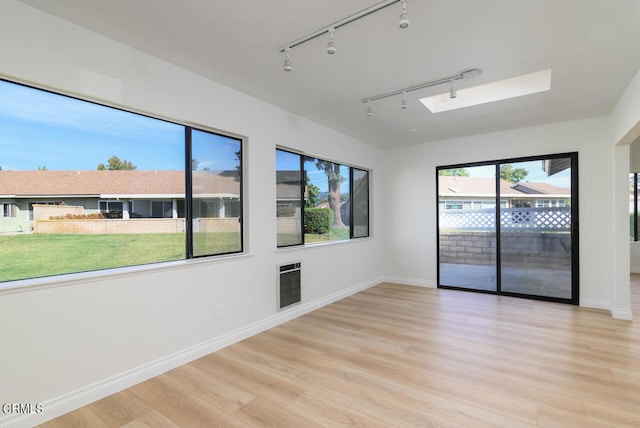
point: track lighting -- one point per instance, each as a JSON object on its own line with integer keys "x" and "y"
{"x": 404, "y": 16}
{"x": 454, "y": 92}
{"x": 287, "y": 60}
{"x": 464, "y": 74}
{"x": 331, "y": 46}
{"x": 331, "y": 28}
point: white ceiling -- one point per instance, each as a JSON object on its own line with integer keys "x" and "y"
{"x": 592, "y": 46}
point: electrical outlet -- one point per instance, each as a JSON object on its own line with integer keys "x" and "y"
{"x": 218, "y": 311}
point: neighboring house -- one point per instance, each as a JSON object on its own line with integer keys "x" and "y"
{"x": 457, "y": 193}
{"x": 126, "y": 194}
{"x": 288, "y": 194}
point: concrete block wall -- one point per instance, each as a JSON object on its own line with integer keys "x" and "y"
{"x": 110, "y": 226}
{"x": 533, "y": 249}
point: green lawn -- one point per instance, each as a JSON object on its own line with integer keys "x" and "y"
{"x": 34, "y": 255}
{"x": 335, "y": 234}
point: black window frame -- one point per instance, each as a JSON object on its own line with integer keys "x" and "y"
{"x": 188, "y": 220}
{"x": 303, "y": 157}
{"x": 189, "y": 193}
{"x": 633, "y": 216}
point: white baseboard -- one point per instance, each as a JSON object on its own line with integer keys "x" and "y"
{"x": 595, "y": 304}
{"x": 81, "y": 397}
{"x": 618, "y": 313}
{"x": 622, "y": 314}
{"x": 410, "y": 281}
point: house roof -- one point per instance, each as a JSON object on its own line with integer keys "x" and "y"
{"x": 114, "y": 183}
{"x": 541, "y": 188}
{"x": 486, "y": 186}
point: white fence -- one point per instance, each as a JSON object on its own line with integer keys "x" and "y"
{"x": 547, "y": 219}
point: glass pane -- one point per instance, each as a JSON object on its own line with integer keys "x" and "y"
{"x": 535, "y": 227}
{"x": 632, "y": 205}
{"x": 360, "y": 203}
{"x": 467, "y": 235}
{"x": 326, "y": 213}
{"x": 288, "y": 199}
{"x": 216, "y": 184}
{"x": 58, "y": 154}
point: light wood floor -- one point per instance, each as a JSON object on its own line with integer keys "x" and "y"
{"x": 403, "y": 356}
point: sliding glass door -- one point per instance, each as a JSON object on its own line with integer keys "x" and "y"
{"x": 510, "y": 227}
{"x": 467, "y": 227}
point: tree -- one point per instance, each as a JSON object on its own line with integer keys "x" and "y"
{"x": 514, "y": 175}
{"x": 194, "y": 164}
{"x": 313, "y": 192}
{"x": 454, "y": 172}
{"x": 332, "y": 170}
{"x": 115, "y": 163}
{"x": 40, "y": 168}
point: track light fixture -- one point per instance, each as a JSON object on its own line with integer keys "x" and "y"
{"x": 403, "y": 104}
{"x": 287, "y": 60}
{"x": 453, "y": 93}
{"x": 404, "y": 16}
{"x": 464, "y": 74}
{"x": 331, "y": 46}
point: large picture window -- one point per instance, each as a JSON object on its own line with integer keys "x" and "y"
{"x": 319, "y": 201}
{"x": 88, "y": 187}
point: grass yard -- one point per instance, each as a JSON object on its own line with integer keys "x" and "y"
{"x": 310, "y": 238}
{"x": 335, "y": 234}
{"x": 34, "y": 255}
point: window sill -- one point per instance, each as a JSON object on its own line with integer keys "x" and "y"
{"x": 64, "y": 280}
{"x": 320, "y": 245}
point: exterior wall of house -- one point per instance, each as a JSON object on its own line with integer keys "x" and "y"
{"x": 133, "y": 323}
{"x": 10, "y": 223}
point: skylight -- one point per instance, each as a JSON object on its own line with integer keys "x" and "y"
{"x": 501, "y": 90}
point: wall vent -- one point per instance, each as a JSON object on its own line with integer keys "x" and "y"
{"x": 289, "y": 284}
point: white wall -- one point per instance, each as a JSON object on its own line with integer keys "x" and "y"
{"x": 626, "y": 130}
{"x": 75, "y": 339}
{"x": 411, "y": 189}
{"x": 634, "y": 166}
{"x": 66, "y": 342}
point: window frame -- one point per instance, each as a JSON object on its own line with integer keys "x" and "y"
{"x": 304, "y": 157}
{"x": 188, "y": 127}
{"x": 352, "y": 195}
{"x": 9, "y": 210}
{"x": 189, "y": 199}
{"x": 634, "y": 220}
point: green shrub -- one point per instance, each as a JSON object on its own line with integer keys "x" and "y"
{"x": 317, "y": 220}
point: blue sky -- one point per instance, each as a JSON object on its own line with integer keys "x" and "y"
{"x": 38, "y": 128}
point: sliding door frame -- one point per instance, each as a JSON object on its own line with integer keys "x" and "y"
{"x": 575, "y": 229}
